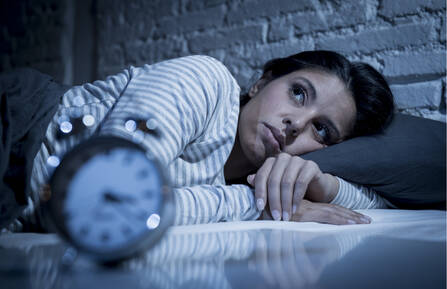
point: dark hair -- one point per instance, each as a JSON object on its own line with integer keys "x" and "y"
{"x": 372, "y": 95}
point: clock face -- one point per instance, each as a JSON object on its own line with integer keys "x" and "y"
{"x": 113, "y": 199}
{"x": 109, "y": 198}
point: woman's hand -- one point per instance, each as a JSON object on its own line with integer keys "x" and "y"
{"x": 324, "y": 213}
{"x": 328, "y": 213}
{"x": 284, "y": 180}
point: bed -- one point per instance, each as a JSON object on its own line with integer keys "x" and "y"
{"x": 399, "y": 249}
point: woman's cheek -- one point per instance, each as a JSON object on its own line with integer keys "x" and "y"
{"x": 256, "y": 150}
{"x": 303, "y": 145}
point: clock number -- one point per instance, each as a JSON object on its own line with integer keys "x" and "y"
{"x": 84, "y": 231}
{"x": 128, "y": 159}
{"x": 148, "y": 194}
{"x": 105, "y": 237}
{"x": 142, "y": 174}
{"x": 126, "y": 230}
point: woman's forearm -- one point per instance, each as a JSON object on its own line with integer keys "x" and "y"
{"x": 354, "y": 196}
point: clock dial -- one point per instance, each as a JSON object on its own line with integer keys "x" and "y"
{"x": 117, "y": 183}
{"x": 110, "y": 199}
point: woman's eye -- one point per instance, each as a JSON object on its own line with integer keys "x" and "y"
{"x": 323, "y": 132}
{"x": 299, "y": 94}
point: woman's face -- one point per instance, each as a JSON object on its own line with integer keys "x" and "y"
{"x": 300, "y": 112}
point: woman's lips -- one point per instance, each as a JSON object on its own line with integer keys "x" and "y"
{"x": 277, "y": 135}
{"x": 273, "y": 145}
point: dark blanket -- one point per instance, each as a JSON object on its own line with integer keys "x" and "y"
{"x": 28, "y": 101}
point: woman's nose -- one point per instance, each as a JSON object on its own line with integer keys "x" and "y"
{"x": 293, "y": 127}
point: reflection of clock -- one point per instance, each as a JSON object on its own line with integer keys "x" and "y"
{"x": 109, "y": 199}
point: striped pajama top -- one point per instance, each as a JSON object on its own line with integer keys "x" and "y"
{"x": 194, "y": 101}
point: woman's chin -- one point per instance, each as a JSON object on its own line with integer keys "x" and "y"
{"x": 257, "y": 156}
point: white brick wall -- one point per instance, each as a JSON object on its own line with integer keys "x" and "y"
{"x": 404, "y": 39}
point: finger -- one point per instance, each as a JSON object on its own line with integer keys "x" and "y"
{"x": 274, "y": 185}
{"x": 349, "y": 216}
{"x": 261, "y": 183}
{"x": 325, "y": 216}
{"x": 307, "y": 172}
{"x": 338, "y": 215}
{"x": 287, "y": 186}
{"x": 251, "y": 179}
{"x": 353, "y": 216}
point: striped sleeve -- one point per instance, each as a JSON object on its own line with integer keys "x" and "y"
{"x": 181, "y": 96}
{"x": 353, "y": 196}
{"x": 178, "y": 95}
{"x": 214, "y": 203}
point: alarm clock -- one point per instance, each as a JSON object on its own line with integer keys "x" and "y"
{"x": 109, "y": 199}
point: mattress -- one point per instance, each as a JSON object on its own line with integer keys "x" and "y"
{"x": 399, "y": 249}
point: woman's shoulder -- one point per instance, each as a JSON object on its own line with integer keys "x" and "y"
{"x": 199, "y": 66}
{"x": 204, "y": 62}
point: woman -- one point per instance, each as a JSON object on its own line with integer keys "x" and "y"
{"x": 303, "y": 103}
{"x": 194, "y": 103}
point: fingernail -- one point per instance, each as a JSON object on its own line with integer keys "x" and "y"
{"x": 276, "y": 216}
{"x": 260, "y": 204}
{"x": 285, "y": 216}
{"x": 294, "y": 209}
{"x": 250, "y": 178}
{"x": 351, "y": 222}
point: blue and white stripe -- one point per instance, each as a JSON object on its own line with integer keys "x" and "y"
{"x": 355, "y": 196}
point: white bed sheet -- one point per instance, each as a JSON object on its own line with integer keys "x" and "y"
{"x": 412, "y": 224}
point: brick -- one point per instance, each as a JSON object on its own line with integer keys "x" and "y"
{"x": 309, "y": 22}
{"x": 266, "y": 8}
{"x": 392, "y": 8}
{"x": 280, "y": 29}
{"x": 380, "y": 39}
{"x": 437, "y": 4}
{"x": 208, "y": 18}
{"x": 138, "y": 53}
{"x": 226, "y": 38}
{"x": 242, "y": 61}
{"x": 414, "y": 64}
{"x": 136, "y": 9}
{"x": 113, "y": 55}
{"x": 194, "y": 5}
{"x": 104, "y": 71}
{"x": 240, "y": 69}
{"x": 443, "y": 32}
{"x": 261, "y": 54}
{"x": 211, "y": 3}
{"x": 191, "y": 5}
{"x": 165, "y": 8}
{"x": 324, "y": 21}
{"x": 424, "y": 94}
{"x": 358, "y": 11}
{"x": 371, "y": 60}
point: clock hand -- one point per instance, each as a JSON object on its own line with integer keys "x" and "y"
{"x": 124, "y": 204}
{"x": 117, "y": 198}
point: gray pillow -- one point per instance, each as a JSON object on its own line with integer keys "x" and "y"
{"x": 405, "y": 164}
